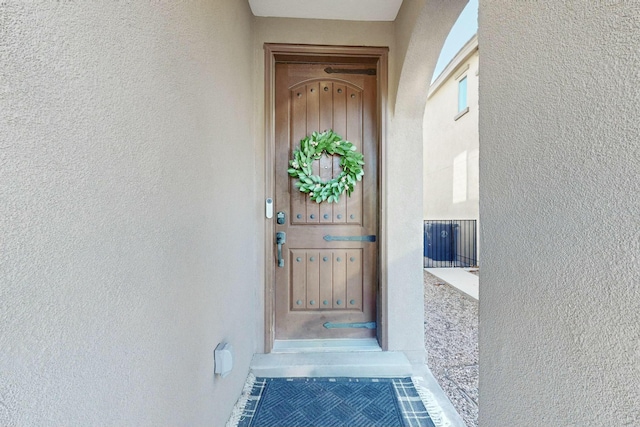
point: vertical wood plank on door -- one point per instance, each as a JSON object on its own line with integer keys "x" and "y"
{"x": 313, "y": 280}
{"x": 326, "y": 106}
{"x": 354, "y": 132}
{"x": 326, "y": 174}
{"x": 298, "y": 113}
{"x": 354, "y": 279}
{"x": 339, "y": 280}
{"x": 313, "y": 123}
{"x": 340, "y": 109}
{"x": 326, "y": 280}
{"x": 339, "y": 127}
{"x": 326, "y": 163}
{"x": 298, "y": 279}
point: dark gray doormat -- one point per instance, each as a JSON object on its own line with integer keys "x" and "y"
{"x": 334, "y": 402}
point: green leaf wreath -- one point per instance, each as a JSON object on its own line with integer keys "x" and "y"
{"x": 312, "y": 148}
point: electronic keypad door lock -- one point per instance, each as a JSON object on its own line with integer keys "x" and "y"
{"x": 268, "y": 208}
{"x": 281, "y": 238}
{"x": 280, "y": 217}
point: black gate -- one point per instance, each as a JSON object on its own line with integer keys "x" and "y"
{"x": 450, "y": 243}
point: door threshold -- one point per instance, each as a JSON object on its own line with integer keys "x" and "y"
{"x": 325, "y": 346}
{"x": 332, "y": 364}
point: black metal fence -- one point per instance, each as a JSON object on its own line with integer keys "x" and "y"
{"x": 450, "y": 243}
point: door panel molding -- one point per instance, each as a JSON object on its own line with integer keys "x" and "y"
{"x": 369, "y": 57}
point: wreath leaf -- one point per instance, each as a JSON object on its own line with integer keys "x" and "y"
{"x": 312, "y": 148}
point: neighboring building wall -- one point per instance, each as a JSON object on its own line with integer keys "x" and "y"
{"x": 451, "y": 189}
{"x": 560, "y": 206}
{"x": 128, "y": 211}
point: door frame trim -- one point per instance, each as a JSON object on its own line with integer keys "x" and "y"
{"x": 378, "y": 56}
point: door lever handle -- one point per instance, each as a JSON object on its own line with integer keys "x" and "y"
{"x": 281, "y": 238}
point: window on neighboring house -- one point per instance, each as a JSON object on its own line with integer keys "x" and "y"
{"x": 463, "y": 106}
{"x": 462, "y": 94}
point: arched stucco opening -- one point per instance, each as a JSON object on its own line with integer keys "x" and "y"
{"x": 417, "y": 53}
{"x": 421, "y": 52}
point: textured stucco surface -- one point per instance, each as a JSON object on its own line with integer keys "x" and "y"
{"x": 124, "y": 243}
{"x": 127, "y": 211}
{"x": 559, "y": 173}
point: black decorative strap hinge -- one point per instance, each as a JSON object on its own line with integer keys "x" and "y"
{"x": 367, "y": 71}
{"x": 357, "y": 325}
{"x": 369, "y": 238}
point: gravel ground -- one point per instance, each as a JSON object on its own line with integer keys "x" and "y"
{"x": 451, "y": 340}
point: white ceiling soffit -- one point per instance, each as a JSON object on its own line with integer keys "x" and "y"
{"x": 352, "y": 10}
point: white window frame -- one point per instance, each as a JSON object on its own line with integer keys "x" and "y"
{"x": 463, "y": 96}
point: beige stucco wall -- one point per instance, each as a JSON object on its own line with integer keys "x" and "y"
{"x": 559, "y": 173}
{"x": 120, "y": 271}
{"x": 451, "y": 189}
{"x": 128, "y": 213}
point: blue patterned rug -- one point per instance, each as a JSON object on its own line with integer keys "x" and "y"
{"x": 334, "y": 402}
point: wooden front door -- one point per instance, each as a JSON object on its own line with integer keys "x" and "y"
{"x": 326, "y": 283}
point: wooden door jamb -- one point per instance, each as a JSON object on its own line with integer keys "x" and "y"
{"x": 378, "y": 56}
